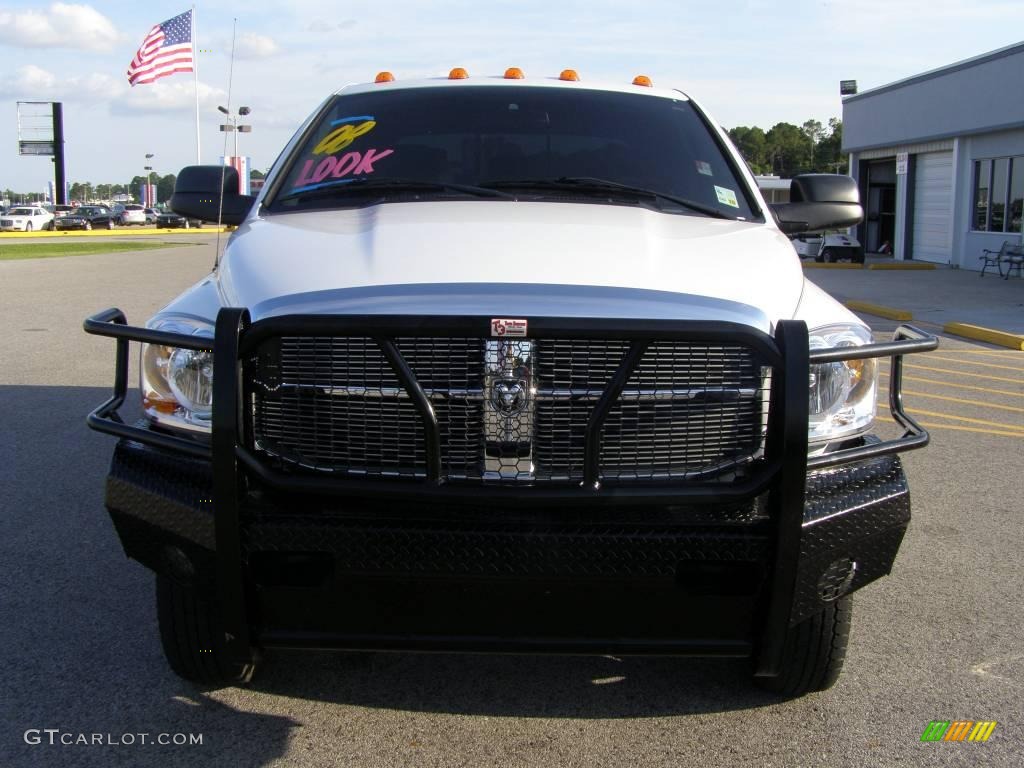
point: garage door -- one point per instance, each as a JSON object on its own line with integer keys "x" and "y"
{"x": 933, "y": 207}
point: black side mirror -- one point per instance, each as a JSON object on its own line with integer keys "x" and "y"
{"x": 198, "y": 191}
{"x": 819, "y": 201}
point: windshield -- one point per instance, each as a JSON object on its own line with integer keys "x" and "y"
{"x": 528, "y": 142}
{"x": 21, "y": 212}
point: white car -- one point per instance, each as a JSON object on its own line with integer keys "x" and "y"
{"x": 26, "y": 219}
{"x": 133, "y": 214}
{"x": 508, "y": 364}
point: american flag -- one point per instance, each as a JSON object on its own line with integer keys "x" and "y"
{"x": 167, "y": 49}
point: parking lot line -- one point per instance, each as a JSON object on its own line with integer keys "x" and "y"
{"x": 1019, "y": 380}
{"x": 1019, "y": 369}
{"x": 966, "y": 402}
{"x": 984, "y": 422}
{"x": 1009, "y": 353}
{"x": 958, "y": 428}
{"x": 958, "y": 386}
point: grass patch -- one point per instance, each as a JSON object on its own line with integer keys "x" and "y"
{"x": 10, "y": 252}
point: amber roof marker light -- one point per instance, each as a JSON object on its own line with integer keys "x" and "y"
{"x": 458, "y": 74}
{"x": 643, "y": 80}
{"x": 514, "y": 73}
{"x": 384, "y": 77}
{"x": 569, "y": 74}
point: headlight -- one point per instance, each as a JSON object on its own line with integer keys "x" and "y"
{"x": 176, "y": 383}
{"x": 843, "y": 395}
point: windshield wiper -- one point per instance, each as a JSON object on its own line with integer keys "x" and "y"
{"x": 593, "y": 184}
{"x": 339, "y": 187}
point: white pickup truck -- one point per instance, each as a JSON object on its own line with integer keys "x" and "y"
{"x": 509, "y": 364}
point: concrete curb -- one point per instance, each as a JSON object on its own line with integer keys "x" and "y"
{"x": 901, "y": 265}
{"x": 824, "y": 265}
{"x": 878, "y": 309}
{"x": 992, "y": 336}
{"x": 966, "y": 330}
{"x": 119, "y": 232}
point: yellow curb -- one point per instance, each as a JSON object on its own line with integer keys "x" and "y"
{"x": 901, "y": 265}
{"x": 976, "y": 332}
{"x": 825, "y": 265}
{"x": 120, "y": 232}
{"x": 878, "y": 309}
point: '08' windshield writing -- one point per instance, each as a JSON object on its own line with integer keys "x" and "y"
{"x": 348, "y": 166}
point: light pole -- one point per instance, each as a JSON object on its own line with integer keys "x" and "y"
{"x": 149, "y": 203}
{"x": 233, "y": 126}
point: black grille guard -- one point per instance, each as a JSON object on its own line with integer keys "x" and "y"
{"x": 235, "y": 337}
{"x": 783, "y": 473}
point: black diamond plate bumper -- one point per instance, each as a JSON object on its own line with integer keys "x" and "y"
{"x": 701, "y": 573}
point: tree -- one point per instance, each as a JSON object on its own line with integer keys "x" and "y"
{"x": 813, "y": 131}
{"x": 788, "y": 150}
{"x": 829, "y": 155}
{"x": 135, "y": 186}
{"x": 752, "y": 145}
{"x": 165, "y": 187}
{"x": 82, "y": 191}
{"x": 257, "y": 174}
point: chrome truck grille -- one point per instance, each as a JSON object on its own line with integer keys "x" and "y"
{"x": 508, "y": 410}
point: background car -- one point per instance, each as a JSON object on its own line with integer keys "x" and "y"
{"x": 26, "y": 218}
{"x": 62, "y": 210}
{"x": 173, "y": 220}
{"x": 132, "y": 214}
{"x": 88, "y": 217}
{"x": 151, "y": 214}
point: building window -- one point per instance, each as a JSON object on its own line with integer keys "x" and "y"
{"x": 998, "y": 195}
{"x": 982, "y": 178}
{"x": 1016, "y": 197}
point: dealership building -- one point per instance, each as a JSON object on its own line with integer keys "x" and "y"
{"x": 939, "y": 158}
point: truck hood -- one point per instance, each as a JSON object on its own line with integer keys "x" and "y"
{"x": 512, "y": 258}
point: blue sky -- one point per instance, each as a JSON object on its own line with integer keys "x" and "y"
{"x": 748, "y": 62}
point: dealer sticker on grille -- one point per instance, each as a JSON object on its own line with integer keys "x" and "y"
{"x": 504, "y": 326}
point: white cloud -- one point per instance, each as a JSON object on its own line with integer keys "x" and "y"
{"x": 320, "y": 26}
{"x": 163, "y": 96}
{"x": 60, "y": 26}
{"x": 253, "y": 46}
{"x": 33, "y": 82}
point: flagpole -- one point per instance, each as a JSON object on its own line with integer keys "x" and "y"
{"x": 195, "y": 72}
{"x": 224, "y": 159}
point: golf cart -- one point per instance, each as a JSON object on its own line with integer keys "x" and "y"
{"x": 829, "y": 247}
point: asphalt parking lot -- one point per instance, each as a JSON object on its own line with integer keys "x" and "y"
{"x": 937, "y": 640}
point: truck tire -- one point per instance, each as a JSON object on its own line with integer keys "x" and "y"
{"x": 814, "y": 653}
{"x": 191, "y": 636}
{"x": 829, "y": 256}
